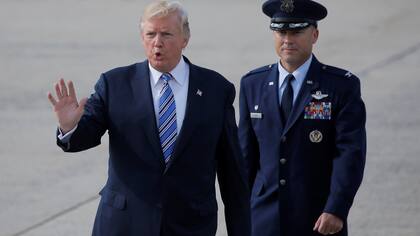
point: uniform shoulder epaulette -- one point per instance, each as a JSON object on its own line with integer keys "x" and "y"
{"x": 337, "y": 71}
{"x": 259, "y": 70}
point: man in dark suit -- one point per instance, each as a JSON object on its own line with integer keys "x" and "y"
{"x": 302, "y": 131}
{"x": 171, "y": 128}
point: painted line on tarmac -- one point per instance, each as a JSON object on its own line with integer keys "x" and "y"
{"x": 392, "y": 59}
{"x": 55, "y": 216}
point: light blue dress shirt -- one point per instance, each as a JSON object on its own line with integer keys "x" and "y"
{"x": 299, "y": 74}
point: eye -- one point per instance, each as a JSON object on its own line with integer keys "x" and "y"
{"x": 166, "y": 34}
{"x": 150, "y": 34}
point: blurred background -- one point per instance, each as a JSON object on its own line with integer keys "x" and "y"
{"x": 47, "y": 192}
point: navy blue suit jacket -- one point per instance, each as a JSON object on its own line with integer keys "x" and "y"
{"x": 142, "y": 196}
{"x": 312, "y": 164}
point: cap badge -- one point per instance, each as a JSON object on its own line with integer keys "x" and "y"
{"x": 287, "y": 6}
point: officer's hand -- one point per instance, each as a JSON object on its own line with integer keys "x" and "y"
{"x": 328, "y": 224}
{"x": 66, "y": 106}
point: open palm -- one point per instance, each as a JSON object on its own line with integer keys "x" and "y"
{"x": 66, "y": 107}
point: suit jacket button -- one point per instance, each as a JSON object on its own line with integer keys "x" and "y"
{"x": 283, "y": 161}
{"x": 283, "y": 139}
{"x": 282, "y": 182}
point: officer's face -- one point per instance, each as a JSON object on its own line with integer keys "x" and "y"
{"x": 295, "y": 46}
{"x": 163, "y": 41}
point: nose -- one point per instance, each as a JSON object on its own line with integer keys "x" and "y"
{"x": 287, "y": 39}
{"x": 158, "y": 42}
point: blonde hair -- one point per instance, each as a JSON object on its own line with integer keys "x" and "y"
{"x": 163, "y": 8}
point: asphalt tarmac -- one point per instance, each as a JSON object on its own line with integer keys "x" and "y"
{"x": 45, "y": 192}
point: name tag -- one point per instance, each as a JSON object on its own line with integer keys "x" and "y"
{"x": 255, "y": 115}
{"x": 318, "y": 111}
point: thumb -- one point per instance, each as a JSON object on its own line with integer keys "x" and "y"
{"x": 82, "y": 104}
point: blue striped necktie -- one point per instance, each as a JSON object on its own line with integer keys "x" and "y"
{"x": 167, "y": 118}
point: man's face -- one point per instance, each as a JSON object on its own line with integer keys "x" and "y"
{"x": 294, "y": 47}
{"x": 163, "y": 41}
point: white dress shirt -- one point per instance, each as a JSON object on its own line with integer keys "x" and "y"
{"x": 299, "y": 74}
{"x": 179, "y": 86}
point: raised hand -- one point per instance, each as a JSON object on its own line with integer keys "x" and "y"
{"x": 66, "y": 107}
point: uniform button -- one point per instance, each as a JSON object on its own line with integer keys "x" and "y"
{"x": 283, "y": 161}
{"x": 282, "y": 182}
{"x": 283, "y": 139}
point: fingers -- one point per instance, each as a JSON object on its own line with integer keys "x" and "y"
{"x": 317, "y": 223}
{"x": 58, "y": 91}
{"x": 72, "y": 91}
{"x": 63, "y": 86}
{"x": 52, "y": 99}
{"x": 328, "y": 224}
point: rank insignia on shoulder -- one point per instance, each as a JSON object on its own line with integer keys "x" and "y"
{"x": 348, "y": 74}
{"x": 318, "y": 111}
{"x": 318, "y": 95}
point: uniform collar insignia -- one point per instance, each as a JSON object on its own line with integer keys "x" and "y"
{"x": 199, "y": 92}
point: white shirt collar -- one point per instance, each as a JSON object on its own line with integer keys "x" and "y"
{"x": 178, "y": 73}
{"x": 299, "y": 73}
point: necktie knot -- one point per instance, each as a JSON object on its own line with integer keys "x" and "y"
{"x": 289, "y": 78}
{"x": 166, "y": 77}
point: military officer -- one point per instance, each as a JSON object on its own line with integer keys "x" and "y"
{"x": 302, "y": 131}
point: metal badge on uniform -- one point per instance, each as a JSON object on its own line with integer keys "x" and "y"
{"x": 256, "y": 107}
{"x": 199, "y": 92}
{"x": 318, "y": 111}
{"x": 271, "y": 83}
{"x": 315, "y": 136}
{"x": 318, "y": 95}
{"x": 256, "y": 115}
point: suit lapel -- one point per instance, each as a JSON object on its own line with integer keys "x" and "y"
{"x": 310, "y": 84}
{"x": 140, "y": 85}
{"x": 271, "y": 98}
{"x": 192, "y": 112}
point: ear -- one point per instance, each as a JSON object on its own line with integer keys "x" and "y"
{"x": 315, "y": 35}
{"x": 185, "y": 43}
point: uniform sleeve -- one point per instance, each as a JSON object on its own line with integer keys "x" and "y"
{"x": 349, "y": 162}
{"x": 93, "y": 123}
{"x": 231, "y": 174}
{"x": 247, "y": 138}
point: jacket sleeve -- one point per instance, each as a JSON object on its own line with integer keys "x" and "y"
{"x": 231, "y": 174}
{"x": 93, "y": 123}
{"x": 247, "y": 138}
{"x": 349, "y": 162}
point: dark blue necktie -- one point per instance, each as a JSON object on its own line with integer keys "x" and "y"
{"x": 287, "y": 98}
{"x": 167, "y": 118}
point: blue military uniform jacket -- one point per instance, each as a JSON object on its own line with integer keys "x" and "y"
{"x": 312, "y": 164}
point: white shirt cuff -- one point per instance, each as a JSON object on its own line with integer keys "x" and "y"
{"x": 65, "y": 137}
